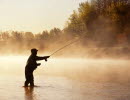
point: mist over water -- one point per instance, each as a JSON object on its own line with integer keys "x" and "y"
{"x": 66, "y": 79}
{"x": 81, "y": 69}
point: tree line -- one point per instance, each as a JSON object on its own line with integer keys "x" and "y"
{"x": 105, "y": 21}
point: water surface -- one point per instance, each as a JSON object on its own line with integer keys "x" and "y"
{"x": 66, "y": 79}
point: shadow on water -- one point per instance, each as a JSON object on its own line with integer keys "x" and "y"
{"x": 29, "y": 93}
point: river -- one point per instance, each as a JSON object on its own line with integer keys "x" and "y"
{"x": 66, "y": 79}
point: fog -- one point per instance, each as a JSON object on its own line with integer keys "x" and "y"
{"x": 80, "y": 69}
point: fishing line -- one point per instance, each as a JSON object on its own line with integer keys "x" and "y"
{"x": 65, "y": 46}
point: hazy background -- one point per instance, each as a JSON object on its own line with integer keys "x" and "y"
{"x": 102, "y": 27}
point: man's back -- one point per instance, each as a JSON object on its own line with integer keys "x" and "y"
{"x": 31, "y": 63}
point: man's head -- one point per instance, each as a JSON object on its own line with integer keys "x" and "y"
{"x": 34, "y": 51}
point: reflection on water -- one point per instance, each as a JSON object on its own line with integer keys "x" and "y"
{"x": 29, "y": 93}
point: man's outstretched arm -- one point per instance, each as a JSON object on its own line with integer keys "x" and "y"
{"x": 42, "y": 58}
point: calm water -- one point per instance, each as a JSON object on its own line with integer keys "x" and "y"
{"x": 66, "y": 79}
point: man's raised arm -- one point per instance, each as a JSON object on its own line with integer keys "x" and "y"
{"x": 42, "y": 58}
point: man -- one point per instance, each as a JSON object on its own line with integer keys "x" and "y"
{"x": 31, "y": 66}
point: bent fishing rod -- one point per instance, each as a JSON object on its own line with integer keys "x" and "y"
{"x": 64, "y": 47}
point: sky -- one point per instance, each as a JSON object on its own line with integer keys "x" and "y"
{"x": 35, "y": 15}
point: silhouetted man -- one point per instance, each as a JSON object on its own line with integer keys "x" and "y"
{"x": 31, "y": 66}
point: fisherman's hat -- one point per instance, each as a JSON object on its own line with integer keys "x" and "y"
{"x": 34, "y": 50}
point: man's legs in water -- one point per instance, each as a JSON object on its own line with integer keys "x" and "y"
{"x": 31, "y": 80}
{"x": 26, "y": 82}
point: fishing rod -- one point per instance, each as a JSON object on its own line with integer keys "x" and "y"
{"x": 65, "y": 46}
